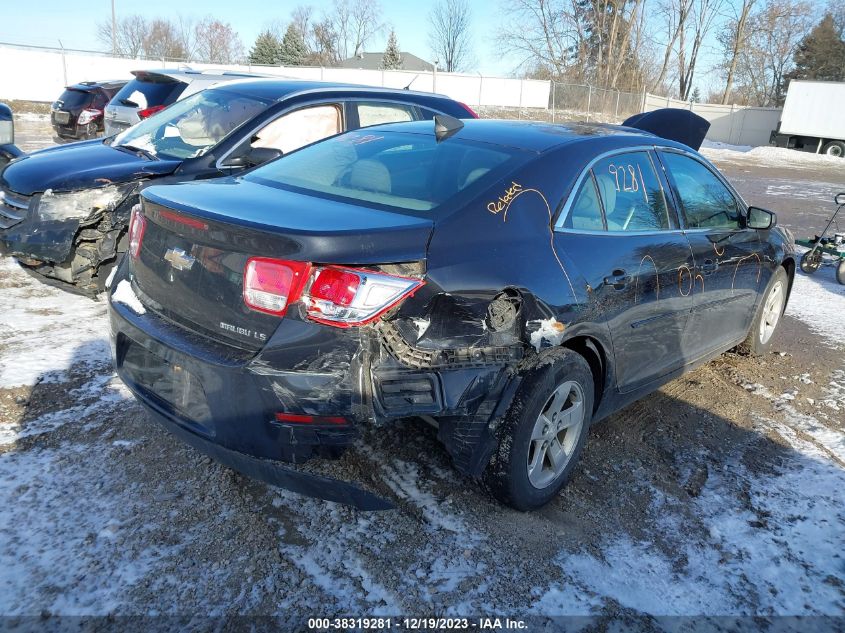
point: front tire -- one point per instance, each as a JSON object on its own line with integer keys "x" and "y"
{"x": 840, "y": 272}
{"x": 544, "y": 432}
{"x": 768, "y": 315}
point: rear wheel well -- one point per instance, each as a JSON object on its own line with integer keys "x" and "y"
{"x": 593, "y": 353}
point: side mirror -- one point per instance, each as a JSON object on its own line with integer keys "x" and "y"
{"x": 253, "y": 157}
{"x": 761, "y": 218}
{"x": 261, "y": 155}
{"x": 7, "y": 125}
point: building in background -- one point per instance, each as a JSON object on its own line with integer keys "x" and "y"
{"x": 372, "y": 61}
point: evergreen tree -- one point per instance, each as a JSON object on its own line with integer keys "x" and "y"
{"x": 821, "y": 55}
{"x": 392, "y": 58}
{"x": 265, "y": 50}
{"x": 293, "y": 51}
{"x": 696, "y": 95}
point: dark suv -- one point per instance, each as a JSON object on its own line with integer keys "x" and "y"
{"x": 78, "y": 113}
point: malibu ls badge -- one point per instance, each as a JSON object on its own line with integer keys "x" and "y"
{"x": 179, "y": 259}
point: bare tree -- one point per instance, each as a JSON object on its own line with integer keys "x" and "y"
{"x": 449, "y": 34}
{"x": 130, "y": 35}
{"x": 186, "y": 31}
{"x": 702, "y": 16}
{"x": 775, "y": 30}
{"x": 735, "y": 38}
{"x": 217, "y": 42}
{"x": 673, "y": 13}
{"x": 353, "y": 23}
{"x": 163, "y": 40}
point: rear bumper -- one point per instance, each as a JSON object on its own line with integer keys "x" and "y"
{"x": 271, "y": 472}
{"x": 241, "y": 433}
{"x": 225, "y": 400}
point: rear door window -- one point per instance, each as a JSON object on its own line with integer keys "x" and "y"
{"x": 145, "y": 94}
{"x": 631, "y": 193}
{"x": 706, "y": 202}
{"x": 300, "y": 128}
{"x": 585, "y": 213}
{"x": 375, "y": 113}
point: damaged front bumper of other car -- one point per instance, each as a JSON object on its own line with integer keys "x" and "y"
{"x": 71, "y": 239}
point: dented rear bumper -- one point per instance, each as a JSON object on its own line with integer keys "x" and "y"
{"x": 247, "y": 409}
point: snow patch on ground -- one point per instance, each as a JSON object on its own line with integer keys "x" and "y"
{"x": 32, "y": 117}
{"x": 769, "y": 156}
{"x": 778, "y": 552}
{"x": 819, "y": 301}
{"x": 125, "y": 295}
{"x": 718, "y": 145}
{"x": 102, "y": 391}
{"x": 45, "y": 330}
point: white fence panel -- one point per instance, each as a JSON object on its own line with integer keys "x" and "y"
{"x": 38, "y": 74}
{"x": 728, "y": 123}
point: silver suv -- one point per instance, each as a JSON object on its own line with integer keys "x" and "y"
{"x": 154, "y": 90}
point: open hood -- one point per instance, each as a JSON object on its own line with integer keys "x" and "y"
{"x": 673, "y": 124}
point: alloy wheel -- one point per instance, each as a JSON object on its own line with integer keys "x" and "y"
{"x": 772, "y": 310}
{"x": 555, "y": 434}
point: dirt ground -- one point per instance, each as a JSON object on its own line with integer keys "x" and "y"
{"x": 720, "y": 494}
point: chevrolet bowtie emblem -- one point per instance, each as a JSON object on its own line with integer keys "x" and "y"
{"x": 179, "y": 259}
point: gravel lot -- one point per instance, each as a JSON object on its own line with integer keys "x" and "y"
{"x": 721, "y": 494}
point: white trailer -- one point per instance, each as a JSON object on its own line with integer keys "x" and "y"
{"x": 813, "y": 118}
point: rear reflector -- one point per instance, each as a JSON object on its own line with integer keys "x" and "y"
{"x": 296, "y": 418}
{"x": 270, "y": 285}
{"x": 137, "y": 226}
{"x": 349, "y": 297}
{"x": 148, "y": 112}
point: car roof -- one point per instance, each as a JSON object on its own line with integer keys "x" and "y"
{"x": 534, "y": 136}
{"x": 188, "y": 75}
{"x": 108, "y": 84}
{"x": 277, "y": 89}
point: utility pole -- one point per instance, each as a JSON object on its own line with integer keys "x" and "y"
{"x": 113, "y": 31}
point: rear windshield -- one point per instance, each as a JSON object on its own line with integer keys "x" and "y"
{"x": 75, "y": 98}
{"x": 399, "y": 170}
{"x": 145, "y": 94}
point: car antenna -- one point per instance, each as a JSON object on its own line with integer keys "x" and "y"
{"x": 445, "y": 126}
{"x": 408, "y": 87}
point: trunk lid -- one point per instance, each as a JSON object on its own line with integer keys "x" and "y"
{"x": 199, "y": 236}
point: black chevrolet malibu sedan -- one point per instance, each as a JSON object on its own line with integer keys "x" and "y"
{"x": 511, "y": 282}
{"x": 64, "y": 210}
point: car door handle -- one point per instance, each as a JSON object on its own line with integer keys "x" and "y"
{"x": 709, "y": 266}
{"x": 618, "y": 279}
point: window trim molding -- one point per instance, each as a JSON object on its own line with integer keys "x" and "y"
{"x": 570, "y": 199}
{"x": 742, "y": 206}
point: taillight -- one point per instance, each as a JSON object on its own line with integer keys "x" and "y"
{"x": 88, "y": 115}
{"x": 137, "y": 226}
{"x": 468, "y": 109}
{"x": 349, "y": 297}
{"x": 147, "y": 112}
{"x": 271, "y": 285}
